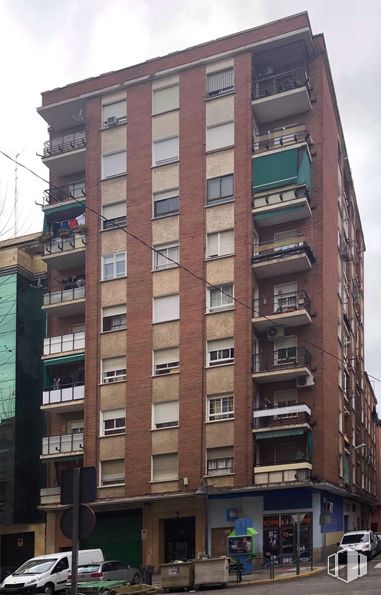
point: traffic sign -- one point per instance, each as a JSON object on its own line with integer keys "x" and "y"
{"x": 86, "y": 524}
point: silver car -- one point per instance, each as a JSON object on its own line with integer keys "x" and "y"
{"x": 110, "y": 570}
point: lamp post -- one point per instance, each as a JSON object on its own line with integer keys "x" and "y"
{"x": 202, "y": 490}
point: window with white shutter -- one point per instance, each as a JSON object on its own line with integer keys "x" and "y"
{"x": 220, "y": 243}
{"x": 165, "y": 151}
{"x": 112, "y": 472}
{"x": 114, "y": 215}
{"x": 113, "y": 422}
{"x": 220, "y": 136}
{"x": 114, "y": 164}
{"x": 114, "y": 318}
{"x": 114, "y": 369}
{"x": 165, "y": 256}
{"x": 115, "y": 113}
{"x": 220, "y": 352}
{"x": 220, "y": 297}
{"x": 166, "y": 203}
{"x": 220, "y": 83}
{"x": 165, "y": 467}
{"x": 165, "y": 100}
{"x": 220, "y": 460}
{"x": 166, "y": 308}
{"x": 165, "y": 415}
{"x": 165, "y": 360}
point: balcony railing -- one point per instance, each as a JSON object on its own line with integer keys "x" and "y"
{"x": 282, "y": 247}
{"x": 281, "y": 138}
{"x": 67, "y": 294}
{"x": 75, "y": 190}
{"x": 287, "y": 78}
{"x": 299, "y": 457}
{"x": 68, "y": 443}
{"x": 63, "y": 394}
{"x": 285, "y": 472}
{"x": 272, "y": 417}
{"x": 279, "y": 198}
{"x": 58, "y": 245}
{"x": 280, "y": 303}
{"x": 64, "y": 144}
{"x": 63, "y": 343}
{"x": 280, "y": 359}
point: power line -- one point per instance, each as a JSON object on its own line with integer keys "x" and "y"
{"x": 154, "y": 250}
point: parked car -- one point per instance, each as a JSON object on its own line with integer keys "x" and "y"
{"x": 378, "y": 548}
{"x": 110, "y": 570}
{"x": 364, "y": 542}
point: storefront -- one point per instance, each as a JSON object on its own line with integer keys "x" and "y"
{"x": 280, "y": 536}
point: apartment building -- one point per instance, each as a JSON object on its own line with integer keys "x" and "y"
{"x": 205, "y": 301}
{"x": 22, "y": 527}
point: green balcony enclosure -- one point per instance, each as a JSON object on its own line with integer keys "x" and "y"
{"x": 283, "y": 168}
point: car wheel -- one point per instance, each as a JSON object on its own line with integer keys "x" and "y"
{"x": 135, "y": 579}
{"x": 49, "y": 589}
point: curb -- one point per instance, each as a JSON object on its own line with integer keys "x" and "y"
{"x": 268, "y": 581}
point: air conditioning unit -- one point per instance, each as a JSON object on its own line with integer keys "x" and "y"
{"x": 112, "y": 121}
{"x": 274, "y": 332}
{"x": 304, "y": 381}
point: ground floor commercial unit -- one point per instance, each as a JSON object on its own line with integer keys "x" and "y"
{"x": 173, "y": 527}
{"x": 19, "y": 542}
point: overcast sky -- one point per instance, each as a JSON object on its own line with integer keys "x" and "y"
{"x": 50, "y": 43}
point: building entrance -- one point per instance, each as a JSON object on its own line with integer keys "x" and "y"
{"x": 179, "y": 539}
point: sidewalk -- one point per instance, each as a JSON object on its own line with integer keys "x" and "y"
{"x": 262, "y": 576}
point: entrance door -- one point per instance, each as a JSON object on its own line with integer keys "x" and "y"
{"x": 16, "y": 548}
{"x": 179, "y": 539}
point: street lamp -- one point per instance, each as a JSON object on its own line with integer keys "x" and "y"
{"x": 202, "y": 490}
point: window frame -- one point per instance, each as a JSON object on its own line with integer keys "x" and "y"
{"x": 221, "y": 198}
{"x": 219, "y": 243}
{"x": 155, "y": 300}
{"x": 220, "y": 470}
{"x": 165, "y": 160}
{"x": 104, "y": 318}
{"x": 115, "y": 377}
{"x": 211, "y": 144}
{"x": 223, "y": 415}
{"x": 119, "y": 119}
{"x": 156, "y": 110}
{"x": 157, "y": 253}
{"x": 221, "y": 291}
{"x": 222, "y": 91}
{"x": 116, "y": 222}
{"x": 164, "y": 425}
{"x": 104, "y": 414}
{"x": 119, "y": 173}
{"x": 114, "y": 263}
{"x": 120, "y": 480}
{"x": 153, "y": 479}
{"x": 166, "y": 196}
{"x": 168, "y": 366}
{"x": 221, "y": 360}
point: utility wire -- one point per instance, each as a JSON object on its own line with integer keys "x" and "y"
{"x": 154, "y": 250}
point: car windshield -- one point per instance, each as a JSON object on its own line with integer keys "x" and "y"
{"x": 355, "y": 538}
{"x": 88, "y": 568}
{"x": 36, "y": 566}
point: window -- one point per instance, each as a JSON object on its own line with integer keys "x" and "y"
{"x": 165, "y": 467}
{"x": 220, "y": 352}
{"x": 220, "y": 243}
{"x": 285, "y": 297}
{"x": 166, "y": 203}
{"x": 77, "y": 427}
{"x": 220, "y": 83}
{"x": 114, "y": 266}
{"x": 165, "y": 100}
{"x": 115, "y": 113}
{"x": 115, "y": 215}
{"x": 114, "y": 164}
{"x": 113, "y": 422}
{"x": 165, "y": 360}
{"x": 220, "y": 460}
{"x": 220, "y": 189}
{"x": 114, "y": 318}
{"x": 165, "y": 151}
{"x": 165, "y": 415}
{"x": 220, "y": 136}
{"x": 112, "y": 472}
{"x": 220, "y": 297}
{"x": 220, "y": 407}
{"x": 166, "y": 308}
{"x": 285, "y": 351}
{"x": 162, "y": 255}
{"x": 114, "y": 369}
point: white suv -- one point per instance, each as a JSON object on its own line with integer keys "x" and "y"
{"x": 364, "y": 542}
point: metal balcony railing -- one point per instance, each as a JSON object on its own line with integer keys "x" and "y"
{"x": 63, "y": 394}
{"x": 281, "y": 302}
{"x": 75, "y": 190}
{"x": 59, "y": 245}
{"x": 64, "y": 295}
{"x": 281, "y": 138}
{"x": 270, "y": 417}
{"x": 279, "y": 198}
{"x": 281, "y": 79}
{"x": 67, "y": 443}
{"x": 282, "y": 247}
{"x": 64, "y": 144}
{"x": 299, "y": 457}
{"x": 62, "y": 343}
{"x": 283, "y": 358}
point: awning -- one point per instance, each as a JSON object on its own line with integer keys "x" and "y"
{"x": 280, "y": 433}
{"x": 282, "y": 168}
{"x": 68, "y": 359}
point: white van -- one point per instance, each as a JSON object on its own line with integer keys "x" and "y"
{"x": 46, "y": 574}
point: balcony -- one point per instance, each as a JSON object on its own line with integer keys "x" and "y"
{"x": 280, "y": 138}
{"x": 288, "y": 309}
{"x": 66, "y": 154}
{"x": 68, "y": 301}
{"x": 286, "y": 363}
{"x": 65, "y": 252}
{"x": 62, "y": 446}
{"x": 282, "y": 256}
{"x": 289, "y": 416}
{"x": 283, "y": 206}
{"x": 64, "y": 398}
{"x": 280, "y": 92}
{"x": 50, "y": 496}
{"x": 64, "y": 194}
{"x": 64, "y": 343}
{"x": 285, "y": 473}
